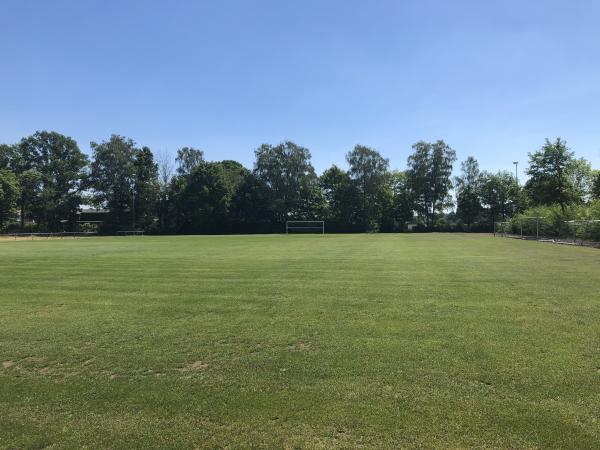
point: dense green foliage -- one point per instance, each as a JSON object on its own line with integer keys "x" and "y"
{"x": 468, "y": 190}
{"x": 112, "y": 177}
{"x": 335, "y": 341}
{"x": 50, "y": 171}
{"x": 430, "y": 169}
{"x": 9, "y": 196}
{"x": 286, "y": 170}
{"x": 188, "y": 159}
{"x": 596, "y": 185}
{"x": 200, "y": 200}
{"x": 54, "y": 179}
{"x": 369, "y": 174}
{"x": 556, "y": 176}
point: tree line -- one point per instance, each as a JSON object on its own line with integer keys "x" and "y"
{"x": 45, "y": 179}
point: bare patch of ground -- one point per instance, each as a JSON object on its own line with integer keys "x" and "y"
{"x": 300, "y": 347}
{"x": 196, "y": 366}
{"x": 31, "y": 363}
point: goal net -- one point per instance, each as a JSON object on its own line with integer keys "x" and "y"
{"x": 580, "y": 232}
{"x": 502, "y": 229}
{"x": 535, "y": 228}
{"x": 305, "y": 226}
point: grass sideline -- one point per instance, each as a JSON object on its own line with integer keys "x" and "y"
{"x": 349, "y": 341}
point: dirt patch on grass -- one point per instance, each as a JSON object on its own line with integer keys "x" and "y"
{"x": 152, "y": 372}
{"x": 32, "y": 364}
{"x": 299, "y": 347}
{"x": 34, "y": 360}
{"x": 196, "y": 366}
{"x": 35, "y": 363}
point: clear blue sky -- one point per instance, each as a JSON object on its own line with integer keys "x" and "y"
{"x": 492, "y": 79}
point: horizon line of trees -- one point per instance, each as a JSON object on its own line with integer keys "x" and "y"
{"x": 45, "y": 179}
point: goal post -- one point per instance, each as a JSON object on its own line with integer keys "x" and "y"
{"x": 305, "y": 226}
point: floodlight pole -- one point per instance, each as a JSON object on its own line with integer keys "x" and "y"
{"x": 516, "y": 163}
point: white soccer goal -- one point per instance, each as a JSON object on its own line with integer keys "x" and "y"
{"x": 305, "y": 226}
{"x": 525, "y": 228}
{"x": 533, "y": 227}
{"x": 502, "y": 229}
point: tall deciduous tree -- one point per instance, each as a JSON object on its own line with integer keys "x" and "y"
{"x": 403, "y": 200}
{"x": 60, "y": 167}
{"x": 582, "y": 179}
{"x": 146, "y": 188}
{"x": 287, "y": 171}
{"x": 342, "y": 199}
{"x": 8, "y": 156}
{"x": 188, "y": 158}
{"x": 251, "y": 207}
{"x": 201, "y": 200}
{"x": 30, "y": 188}
{"x": 555, "y": 176}
{"x": 112, "y": 177}
{"x": 24, "y": 166}
{"x": 468, "y": 203}
{"x": 9, "y": 196}
{"x": 165, "y": 174}
{"x": 499, "y": 195}
{"x": 235, "y": 174}
{"x": 369, "y": 172}
{"x": 429, "y": 171}
{"x": 596, "y": 185}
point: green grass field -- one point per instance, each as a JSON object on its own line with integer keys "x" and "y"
{"x": 375, "y": 341}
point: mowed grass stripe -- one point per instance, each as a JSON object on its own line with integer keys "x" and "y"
{"x": 433, "y": 340}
